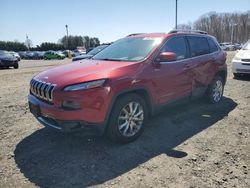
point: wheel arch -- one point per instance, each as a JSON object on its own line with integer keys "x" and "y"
{"x": 223, "y": 75}
{"x": 142, "y": 92}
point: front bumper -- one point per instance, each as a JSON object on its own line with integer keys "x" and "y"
{"x": 63, "y": 120}
{"x": 71, "y": 126}
{"x": 7, "y": 63}
{"x": 242, "y": 67}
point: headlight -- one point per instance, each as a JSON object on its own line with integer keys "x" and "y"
{"x": 237, "y": 58}
{"x": 85, "y": 85}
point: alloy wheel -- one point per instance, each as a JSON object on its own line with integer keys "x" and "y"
{"x": 130, "y": 119}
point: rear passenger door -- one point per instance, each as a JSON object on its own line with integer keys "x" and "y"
{"x": 202, "y": 63}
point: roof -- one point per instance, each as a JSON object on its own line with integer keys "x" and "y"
{"x": 172, "y": 32}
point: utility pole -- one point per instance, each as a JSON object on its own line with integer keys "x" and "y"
{"x": 67, "y": 35}
{"x": 27, "y": 42}
{"x": 232, "y": 33}
{"x": 176, "y": 2}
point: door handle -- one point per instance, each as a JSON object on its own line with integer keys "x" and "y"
{"x": 187, "y": 65}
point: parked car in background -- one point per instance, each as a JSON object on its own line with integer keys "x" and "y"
{"x": 15, "y": 55}
{"x": 77, "y": 52}
{"x": 30, "y": 55}
{"x": 226, "y": 46}
{"x": 38, "y": 54}
{"x": 90, "y": 54}
{"x": 8, "y": 60}
{"x": 53, "y": 55}
{"x": 67, "y": 53}
{"x": 241, "y": 61}
{"x": 237, "y": 46}
{"x": 89, "y": 49}
{"x": 22, "y": 54}
{"x": 116, "y": 90}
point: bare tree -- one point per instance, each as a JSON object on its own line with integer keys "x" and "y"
{"x": 226, "y": 26}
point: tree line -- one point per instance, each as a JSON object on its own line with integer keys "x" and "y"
{"x": 12, "y": 46}
{"x": 224, "y": 26}
{"x": 69, "y": 43}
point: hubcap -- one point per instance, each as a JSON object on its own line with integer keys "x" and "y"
{"x": 130, "y": 119}
{"x": 217, "y": 91}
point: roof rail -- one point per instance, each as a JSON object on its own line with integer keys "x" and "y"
{"x": 133, "y": 34}
{"x": 187, "y": 31}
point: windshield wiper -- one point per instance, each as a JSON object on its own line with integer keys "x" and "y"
{"x": 107, "y": 59}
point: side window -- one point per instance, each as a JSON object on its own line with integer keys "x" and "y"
{"x": 212, "y": 45}
{"x": 176, "y": 45}
{"x": 198, "y": 46}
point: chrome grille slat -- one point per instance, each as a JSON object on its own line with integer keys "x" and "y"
{"x": 42, "y": 90}
{"x": 35, "y": 88}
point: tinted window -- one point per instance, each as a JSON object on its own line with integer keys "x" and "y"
{"x": 176, "y": 45}
{"x": 212, "y": 45}
{"x": 198, "y": 46}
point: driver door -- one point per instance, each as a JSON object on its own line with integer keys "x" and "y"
{"x": 173, "y": 79}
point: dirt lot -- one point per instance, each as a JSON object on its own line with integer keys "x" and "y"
{"x": 194, "y": 145}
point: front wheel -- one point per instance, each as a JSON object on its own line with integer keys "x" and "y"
{"x": 127, "y": 119}
{"x": 215, "y": 90}
{"x": 237, "y": 75}
{"x": 16, "y": 66}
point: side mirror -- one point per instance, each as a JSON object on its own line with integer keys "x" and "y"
{"x": 166, "y": 57}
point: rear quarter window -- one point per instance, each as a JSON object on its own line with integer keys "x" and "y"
{"x": 198, "y": 46}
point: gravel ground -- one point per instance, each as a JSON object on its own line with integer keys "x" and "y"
{"x": 192, "y": 145}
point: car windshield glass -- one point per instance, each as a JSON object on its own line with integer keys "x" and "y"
{"x": 96, "y": 50}
{"x": 129, "y": 49}
{"x": 3, "y": 52}
{"x": 246, "y": 46}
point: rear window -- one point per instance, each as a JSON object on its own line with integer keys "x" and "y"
{"x": 212, "y": 45}
{"x": 198, "y": 46}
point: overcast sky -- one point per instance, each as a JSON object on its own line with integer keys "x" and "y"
{"x": 44, "y": 21}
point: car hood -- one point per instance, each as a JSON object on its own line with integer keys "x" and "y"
{"x": 243, "y": 54}
{"x": 80, "y": 71}
{"x": 7, "y": 57}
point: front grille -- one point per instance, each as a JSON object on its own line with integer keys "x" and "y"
{"x": 243, "y": 70}
{"x": 246, "y": 60}
{"x": 6, "y": 61}
{"x": 248, "y": 64}
{"x": 42, "y": 90}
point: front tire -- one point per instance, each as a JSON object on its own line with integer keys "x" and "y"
{"x": 237, "y": 75}
{"x": 16, "y": 66}
{"x": 215, "y": 90}
{"x": 127, "y": 119}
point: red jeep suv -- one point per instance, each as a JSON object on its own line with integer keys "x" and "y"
{"x": 120, "y": 87}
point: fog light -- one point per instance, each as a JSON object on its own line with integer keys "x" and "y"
{"x": 71, "y": 105}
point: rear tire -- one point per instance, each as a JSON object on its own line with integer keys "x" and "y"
{"x": 127, "y": 119}
{"x": 215, "y": 90}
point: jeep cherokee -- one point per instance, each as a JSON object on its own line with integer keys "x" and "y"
{"x": 120, "y": 87}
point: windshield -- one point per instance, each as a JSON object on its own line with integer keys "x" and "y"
{"x": 97, "y": 49}
{"x": 129, "y": 49}
{"x": 247, "y": 45}
{"x": 2, "y": 52}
